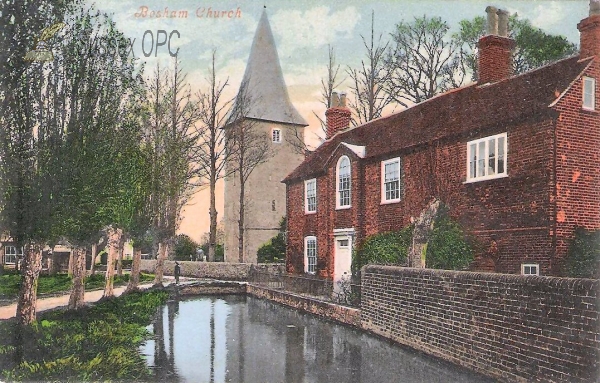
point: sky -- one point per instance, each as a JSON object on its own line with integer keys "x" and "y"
{"x": 303, "y": 31}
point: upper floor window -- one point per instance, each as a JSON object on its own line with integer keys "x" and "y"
{"x": 343, "y": 183}
{"x": 391, "y": 180}
{"x": 310, "y": 196}
{"x": 487, "y": 158}
{"x": 310, "y": 254}
{"x": 12, "y": 254}
{"x": 530, "y": 269}
{"x": 276, "y": 135}
{"x": 589, "y": 93}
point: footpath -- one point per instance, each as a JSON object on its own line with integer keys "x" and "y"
{"x": 43, "y": 304}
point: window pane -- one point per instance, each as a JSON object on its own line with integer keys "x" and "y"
{"x": 311, "y": 255}
{"x": 344, "y": 182}
{"x": 588, "y": 92}
{"x": 492, "y": 156}
{"x": 481, "y": 161}
{"x": 472, "y": 160}
{"x": 501, "y": 146}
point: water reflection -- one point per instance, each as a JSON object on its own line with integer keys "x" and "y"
{"x": 243, "y": 339}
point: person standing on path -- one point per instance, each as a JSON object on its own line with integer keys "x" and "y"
{"x": 177, "y": 272}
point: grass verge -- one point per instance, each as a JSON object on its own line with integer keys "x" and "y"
{"x": 54, "y": 284}
{"x": 97, "y": 343}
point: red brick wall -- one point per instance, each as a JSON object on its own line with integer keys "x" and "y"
{"x": 510, "y": 327}
{"x": 577, "y": 165}
{"x": 338, "y": 119}
{"x": 495, "y": 58}
{"x": 589, "y": 29}
{"x": 515, "y": 212}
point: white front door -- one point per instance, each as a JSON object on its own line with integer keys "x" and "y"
{"x": 342, "y": 265}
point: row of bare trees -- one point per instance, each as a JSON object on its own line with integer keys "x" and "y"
{"x": 422, "y": 58}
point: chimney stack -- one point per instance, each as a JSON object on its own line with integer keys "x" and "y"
{"x": 589, "y": 32}
{"x": 495, "y": 49}
{"x": 338, "y": 115}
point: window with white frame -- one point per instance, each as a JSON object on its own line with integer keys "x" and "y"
{"x": 530, "y": 269}
{"x": 276, "y": 135}
{"x": 12, "y": 254}
{"x": 343, "y": 183}
{"x": 589, "y": 93}
{"x": 310, "y": 196}
{"x": 486, "y": 158}
{"x": 310, "y": 254}
{"x": 391, "y": 180}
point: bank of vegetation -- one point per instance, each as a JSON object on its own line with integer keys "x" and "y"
{"x": 59, "y": 283}
{"x": 96, "y": 343}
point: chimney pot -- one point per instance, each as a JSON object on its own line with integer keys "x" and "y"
{"x": 335, "y": 100}
{"x": 342, "y": 99}
{"x": 502, "y": 23}
{"x": 594, "y": 7}
{"x": 492, "y": 20}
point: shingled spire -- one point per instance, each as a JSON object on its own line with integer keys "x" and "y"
{"x": 264, "y": 80}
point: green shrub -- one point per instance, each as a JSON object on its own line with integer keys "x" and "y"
{"x": 273, "y": 251}
{"x": 583, "y": 257}
{"x": 383, "y": 249}
{"x": 185, "y": 248}
{"x": 448, "y": 248}
{"x": 98, "y": 343}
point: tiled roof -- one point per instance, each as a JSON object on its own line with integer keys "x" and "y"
{"x": 461, "y": 111}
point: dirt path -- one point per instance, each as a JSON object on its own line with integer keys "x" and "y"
{"x": 7, "y": 312}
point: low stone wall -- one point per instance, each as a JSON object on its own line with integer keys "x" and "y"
{"x": 213, "y": 270}
{"x": 342, "y": 314}
{"x": 512, "y": 327}
{"x": 212, "y": 288}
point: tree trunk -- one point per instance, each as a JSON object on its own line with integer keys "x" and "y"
{"x": 120, "y": 258}
{"x": 114, "y": 238}
{"x": 30, "y": 271}
{"x": 94, "y": 255}
{"x": 134, "y": 278}
{"x": 76, "y": 300}
{"x": 160, "y": 262}
{"x": 212, "y": 240}
{"x": 241, "y": 221}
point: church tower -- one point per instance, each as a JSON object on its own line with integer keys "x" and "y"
{"x": 272, "y": 114}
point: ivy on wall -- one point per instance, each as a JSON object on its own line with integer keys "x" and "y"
{"x": 448, "y": 247}
{"x": 389, "y": 248}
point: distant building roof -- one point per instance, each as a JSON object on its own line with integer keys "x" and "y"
{"x": 463, "y": 111}
{"x": 269, "y": 99}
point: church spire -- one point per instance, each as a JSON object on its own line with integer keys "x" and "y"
{"x": 264, "y": 80}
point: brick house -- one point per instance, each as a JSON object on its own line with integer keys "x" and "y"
{"x": 516, "y": 159}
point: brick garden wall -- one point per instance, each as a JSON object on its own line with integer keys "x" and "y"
{"x": 517, "y": 328}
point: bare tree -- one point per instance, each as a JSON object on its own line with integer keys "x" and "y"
{"x": 247, "y": 147}
{"x": 328, "y": 85}
{"x": 211, "y": 148}
{"x": 368, "y": 81}
{"x": 422, "y": 61}
{"x": 173, "y": 140}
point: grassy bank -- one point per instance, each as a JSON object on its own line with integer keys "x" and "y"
{"x": 53, "y": 284}
{"x": 98, "y": 343}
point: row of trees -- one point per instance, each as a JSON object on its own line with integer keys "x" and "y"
{"x": 423, "y": 58}
{"x": 91, "y": 148}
